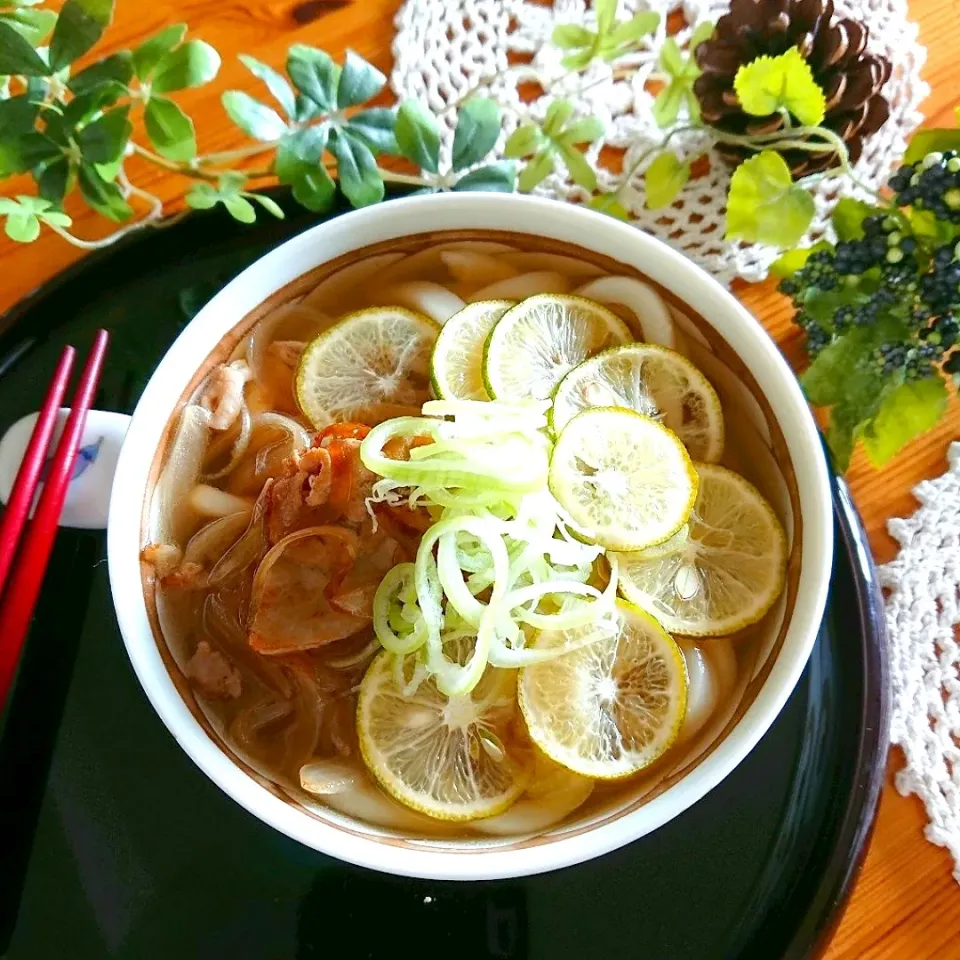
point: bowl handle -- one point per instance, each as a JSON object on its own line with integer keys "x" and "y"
{"x": 88, "y": 496}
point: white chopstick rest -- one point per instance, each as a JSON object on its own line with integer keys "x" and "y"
{"x": 88, "y": 496}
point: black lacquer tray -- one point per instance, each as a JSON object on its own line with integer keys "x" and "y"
{"x": 135, "y": 854}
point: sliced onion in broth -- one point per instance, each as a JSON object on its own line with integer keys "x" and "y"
{"x": 173, "y": 517}
{"x": 211, "y": 542}
{"x": 289, "y": 610}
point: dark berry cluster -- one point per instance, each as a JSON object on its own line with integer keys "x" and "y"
{"x": 892, "y": 356}
{"x": 931, "y": 184}
{"x": 940, "y": 288}
{"x": 889, "y": 275}
{"x": 817, "y": 337}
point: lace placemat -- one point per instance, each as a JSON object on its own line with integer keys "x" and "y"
{"x": 444, "y": 49}
{"x": 923, "y": 610}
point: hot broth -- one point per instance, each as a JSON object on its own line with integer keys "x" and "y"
{"x": 264, "y": 551}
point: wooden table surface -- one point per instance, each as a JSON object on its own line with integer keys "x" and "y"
{"x": 906, "y": 905}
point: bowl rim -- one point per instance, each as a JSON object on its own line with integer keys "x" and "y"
{"x": 393, "y": 220}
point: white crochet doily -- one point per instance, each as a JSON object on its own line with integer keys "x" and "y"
{"x": 923, "y": 611}
{"x": 446, "y": 48}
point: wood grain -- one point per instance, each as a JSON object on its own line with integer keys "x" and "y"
{"x": 906, "y": 905}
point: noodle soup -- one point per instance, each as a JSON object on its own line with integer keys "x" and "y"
{"x": 284, "y": 550}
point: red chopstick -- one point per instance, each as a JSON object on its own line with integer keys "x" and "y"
{"x": 21, "y": 497}
{"x": 19, "y": 598}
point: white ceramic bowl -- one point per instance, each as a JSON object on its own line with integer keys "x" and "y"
{"x": 354, "y": 841}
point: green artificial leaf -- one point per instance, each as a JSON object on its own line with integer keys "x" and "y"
{"x": 664, "y": 179}
{"x": 571, "y": 36}
{"x": 671, "y": 59}
{"x": 276, "y": 83}
{"x": 300, "y": 153}
{"x": 268, "y": 204}
{"x": 609, "y": 204}
{"x": 55, "y": 179}
{"x": 22, "y": 227}
{"x": 148, "y": 55}
{"x": 17, "y": 56}
{"x": 315, "y": 75}
{"x": 927, "y": 226}
{"x": 905, "y": 413}
{"x": 557, "y": 136}
{"x": 478, "y": 127}
{"x": 315, "y": 190}
{"x": 846, "y": 377}
{"x": 80, "y": 25}
{"x": 667, "y": 103}
{"x": 103, "y": 141}
{"x": 768, "y": 84}
{"x": 606, "y": 13}
{"x": 109, "y": 171}
{"x": 583, "y": 131}
{"x": 202, "y": 196}
{"x": 18, "y": 115}
{"x": 25, "y": 214}
{"x": 23, "y": 203}
{"x": 254, "y": 118}
{"x": 359, "y": 81}
{"x": 927, "y": 141}
{"x": 581, "y": 173}
{"x": 540, "y": 167}
{"x": 115, "y": 70}
{"x": 229, "y": 192}
{"x": 103, "y": 196}
{"x": 639, "y": 26}
{"x": 765, "y": 205}
{"x": 359, "y": 174}
{"x": 63, "y": 123}
{"x": 240, "y": 208}
{"x": 192, "y": 64}
{"x": 375, "y": 126}
{"x": 418, "y": 135}
{"x": 822, "y": 305}
{"x": 703, "y": 31}
{"x": 824, "y": 381}
{"x": 841, "y": 434}
{"x": 525, "y": 141}
{"x": 22, "y": 153}
{"x": 788, "y": 263}
{"x": 580, "y": 59}
{"x": 558, "y": 113}
{"x": 498, "y": 177}
{"x": 170, "y": 130}
{"x": 33, "y": 25}
{"x": 848, "y": 216}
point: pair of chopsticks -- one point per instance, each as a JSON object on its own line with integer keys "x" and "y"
{"x": 25, "y": 545}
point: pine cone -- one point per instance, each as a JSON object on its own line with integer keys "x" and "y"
{"x": 850, "y": 78}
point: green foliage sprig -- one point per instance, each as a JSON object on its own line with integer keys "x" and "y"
{"x": 317, "y": 126}
{"x": 75, "y": 131}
